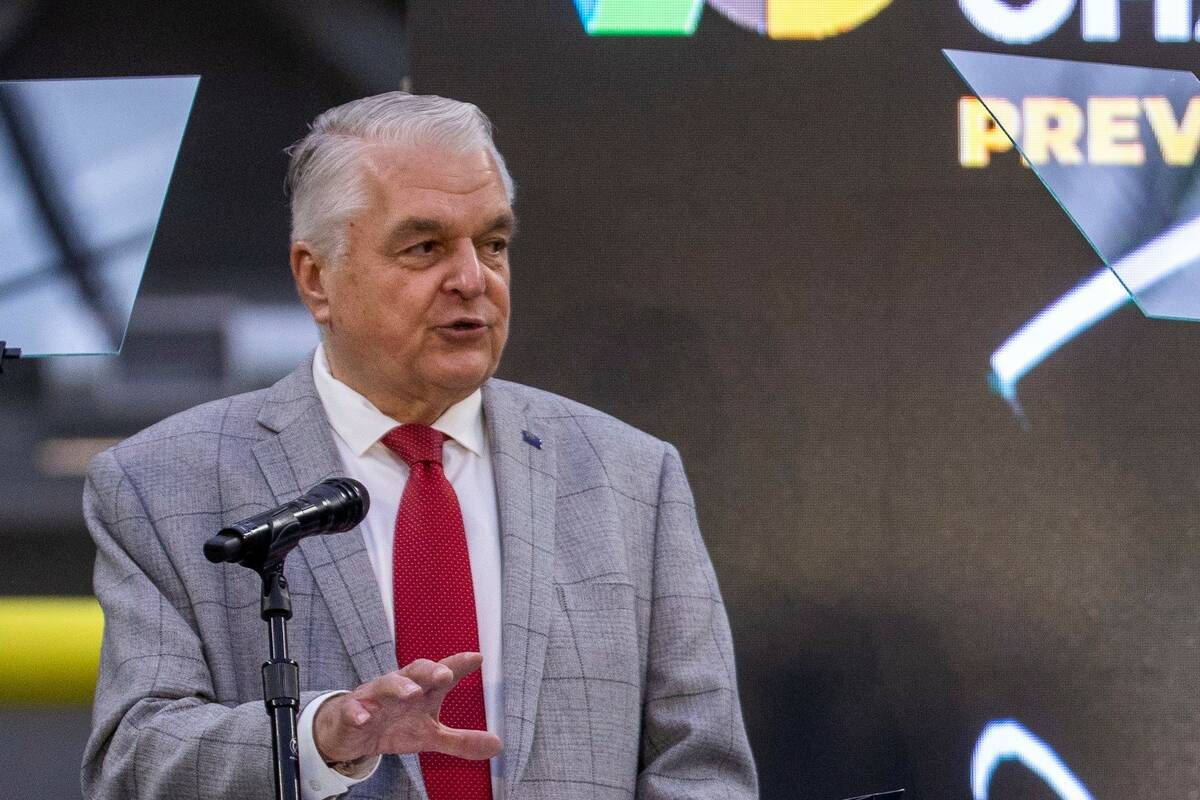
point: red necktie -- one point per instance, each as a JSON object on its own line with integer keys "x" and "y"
{"x": 435, "y": 601}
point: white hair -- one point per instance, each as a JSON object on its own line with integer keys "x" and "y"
{"x": 325, "y": 175}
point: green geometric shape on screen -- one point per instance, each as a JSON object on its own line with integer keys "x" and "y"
{"x": 639, "y": 17}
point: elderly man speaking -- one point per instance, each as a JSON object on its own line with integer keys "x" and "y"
{"x": 527, "y": 611}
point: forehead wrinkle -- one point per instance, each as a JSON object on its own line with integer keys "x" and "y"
{"x": 428, "y": 204}
{"x": 418, "y": 225}
{"x": 390, "y": 164}
{"x": 429, "y": 196}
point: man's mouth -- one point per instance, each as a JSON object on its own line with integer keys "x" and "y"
{"x": 465, "y": 325}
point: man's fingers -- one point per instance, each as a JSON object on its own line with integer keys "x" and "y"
{"x": 462, "y": 664}
{"x": 429, "y": 675}
{"x": 401, "y": 686}
{"x": 339, "y": 728}
{"x": 389, "y": 688}
{"x": 354, "y": 712}
{"x": 475, "y": 745}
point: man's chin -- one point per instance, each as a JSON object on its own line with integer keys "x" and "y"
{"x": 463, "y": 378}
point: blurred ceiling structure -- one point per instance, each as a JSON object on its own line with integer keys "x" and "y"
{"x": 216, "y": 313}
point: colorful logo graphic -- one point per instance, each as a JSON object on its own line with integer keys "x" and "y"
{"x": 778, "y": 19}
{"x": 1007, "y": 21}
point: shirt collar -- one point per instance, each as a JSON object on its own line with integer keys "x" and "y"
{"x": 360, "y": 424}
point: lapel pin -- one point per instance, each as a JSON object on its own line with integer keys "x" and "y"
{"x": 531, "y": 439}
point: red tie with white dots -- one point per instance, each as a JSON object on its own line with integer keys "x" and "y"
{"x": 435, "y": 601}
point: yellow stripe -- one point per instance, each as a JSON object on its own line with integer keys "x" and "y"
{"x": 49, "y": 650}
{"x": 818, "y": 19}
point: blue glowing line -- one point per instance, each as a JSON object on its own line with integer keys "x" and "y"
{"x": 1092, "y": 301}
{"x": 1057, "y": 324}
{"x": 1161, "y": 258}
{"x": 1007, "y": 740}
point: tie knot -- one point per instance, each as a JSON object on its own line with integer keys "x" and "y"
{"x": 415, "y": 443}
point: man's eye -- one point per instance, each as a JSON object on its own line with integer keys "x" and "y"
{"x": 421, "y": 249}
{"x": 497, "y": 247}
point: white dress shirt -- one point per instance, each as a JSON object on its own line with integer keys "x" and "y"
{"x": 357, "y": 428}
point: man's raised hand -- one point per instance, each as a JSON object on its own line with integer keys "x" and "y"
{"x": 398, "y": 713}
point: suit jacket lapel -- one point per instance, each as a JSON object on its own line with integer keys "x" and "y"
{"x": 300, "y": 454}
{"x": 524, "y": 465}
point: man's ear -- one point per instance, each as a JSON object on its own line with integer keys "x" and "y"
{"x": 310, "y": 272}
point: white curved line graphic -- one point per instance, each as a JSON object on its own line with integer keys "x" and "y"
{"x": 1054, "y": 326}
{"x": 1091, "y": 301}
{"x": 1160, "y": 257}
{"x": 1008, "y": 740}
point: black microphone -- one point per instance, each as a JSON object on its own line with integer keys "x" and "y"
{"x": 332, "y": 506}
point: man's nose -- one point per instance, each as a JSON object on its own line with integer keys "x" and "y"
{"x": 466, "y": 272}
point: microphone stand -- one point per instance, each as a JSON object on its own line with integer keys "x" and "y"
{"x": 280, "y": 673}
{"x": 261, "y": 543}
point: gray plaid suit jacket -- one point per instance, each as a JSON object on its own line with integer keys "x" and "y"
{"x": 618, "y": 665}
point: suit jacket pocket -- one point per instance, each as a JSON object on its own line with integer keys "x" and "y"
{"x": 594, "y": 635}
{"x": 594, "y": 596}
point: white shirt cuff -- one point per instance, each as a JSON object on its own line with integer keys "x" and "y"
{"x": 317, "y": 779}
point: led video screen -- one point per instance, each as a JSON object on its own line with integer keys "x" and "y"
{"x": 789, "y": 238}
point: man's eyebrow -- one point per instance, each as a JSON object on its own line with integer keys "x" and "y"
{"x": 411, "y": 225}
{"x": 506, "y": 222}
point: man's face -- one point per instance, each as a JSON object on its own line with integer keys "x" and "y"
{"x": 417, "y": 311}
